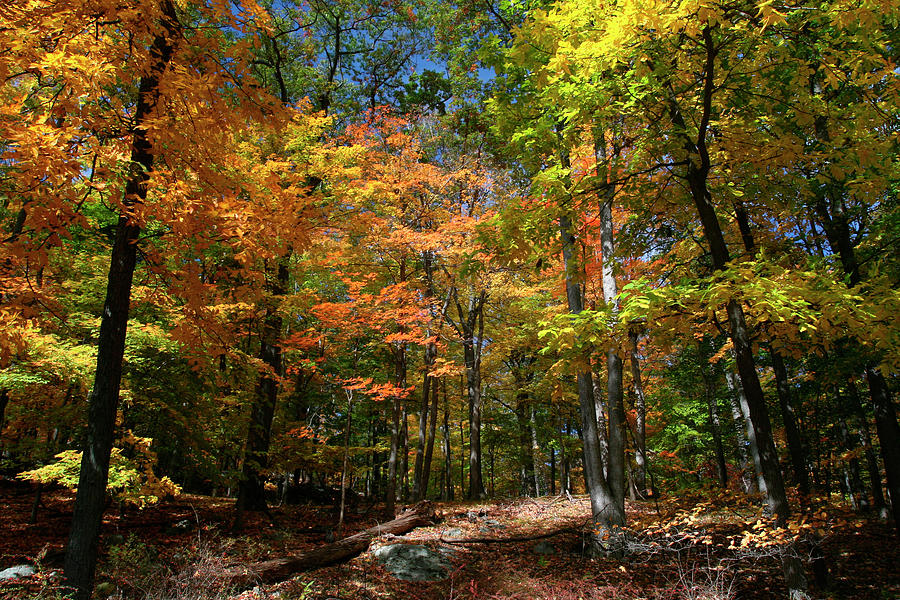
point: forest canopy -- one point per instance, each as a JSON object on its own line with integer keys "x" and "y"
{"x": 412, "y": 250}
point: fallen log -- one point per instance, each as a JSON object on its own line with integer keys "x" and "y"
{"x": 281, "y": 569}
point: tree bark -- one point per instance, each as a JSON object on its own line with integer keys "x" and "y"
{"x": 526, "y": 456}
{"x": 888, "y": 435}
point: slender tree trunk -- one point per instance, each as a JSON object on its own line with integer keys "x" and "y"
{"x": 390, "y": 497}
{"x": 602, "y": 422}
{"x": 404, "y": 455}
{"x": 429, "y": 446}
{"x": 871, "y": 462}
{"x": 888, "y": 435}
{"x": 4, "y": 401}
{"x": 698, "y": 170}
{"x": 614, "y": 396}
{"x": 447, "y": 492}
{"x": 526, "y": 456}
{"x": 640, "y": 409}
{"x": 535, "y": 451}
{"x": 552, "y": 471}
{"x": 81, "y": 553}
{"x": 715, "y": 426}
{"x": 345, "y": 463}
{"x": 791, "y": 430}
{"x": 462, "y": 461}
{"x": 422, "y": 438}
{"x": 605, "y": 509}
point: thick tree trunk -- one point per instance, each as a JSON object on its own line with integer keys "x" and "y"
{"x": 81, "y": 553}
{"x": 281, "y": 569}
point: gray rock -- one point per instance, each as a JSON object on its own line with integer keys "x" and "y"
{"x": 544, "y": 548}
{"x": 453, "y": 532}
{"x": 411, "y": 562}
{"x": 17, "y": 572}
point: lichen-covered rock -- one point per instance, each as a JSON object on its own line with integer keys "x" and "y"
{"x": 17, "y": 572}
{"x": 411, "y": 562}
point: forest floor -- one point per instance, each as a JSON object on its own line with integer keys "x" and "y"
{"x": 682, "y": 549}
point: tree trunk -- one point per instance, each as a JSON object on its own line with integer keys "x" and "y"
{"x": 604, "y": 507}
{"x": 715, "y": 426}
{"x": 526, "y": 457}
{"x": 390, "y": 497}
{"x": 888, "y": 435}
{"x": 742, "y": 419}
{"x": 836, "y": 224}
{"x": 698, "y": 170}
{"x": 422, "y": 438}
{"x": 447, "y": 492}
{"x": 535, "y": 451}
{"x": 429, "y": 446}
{"x": 640, "y": 409}
{"x": 602, "y": 421}
{"x": 615, "y": 400}
{"x": 345, "y": 464}
{"x": 791, "y": 430}
{"x": 871, "y": 462}
{"x": 81, "y": 553}
{"x": 4, "y": 401}
{"x": 251, "y": 489}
